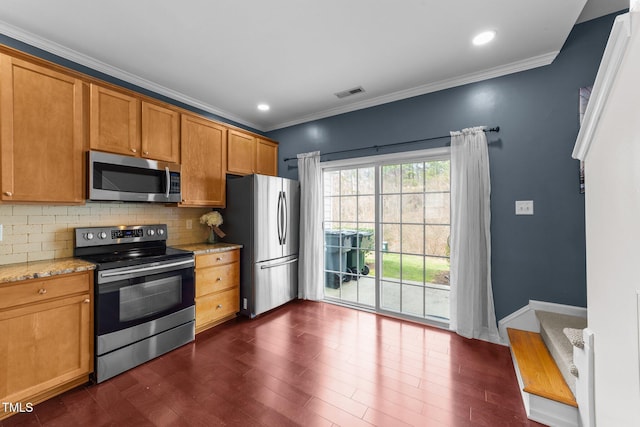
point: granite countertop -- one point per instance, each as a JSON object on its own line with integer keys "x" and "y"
{"x": 37, "y": 269}
{"x": 208, "y": 248}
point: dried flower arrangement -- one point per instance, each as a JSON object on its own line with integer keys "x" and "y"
{"x": 213, "y": 220}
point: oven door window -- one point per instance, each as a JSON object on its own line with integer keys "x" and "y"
{"x": 130, "y": 302}
{"x": 146, "y": 299}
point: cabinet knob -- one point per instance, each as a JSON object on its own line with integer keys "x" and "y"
{"x": 133, "y": 150}
{"x": 86, "y": 301}
{"x": 219, "y": 258}
{"x": 42, "y": 291}
{"x": 219, "y": 306}
{"x": 146, "y": 152}
{"x": 8, "y": 193}
{"x": 219, "y": 279}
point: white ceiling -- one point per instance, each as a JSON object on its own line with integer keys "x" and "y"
{"x": 227, "y": 56}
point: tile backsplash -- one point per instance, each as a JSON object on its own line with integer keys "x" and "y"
{"x": 35, "y": 232}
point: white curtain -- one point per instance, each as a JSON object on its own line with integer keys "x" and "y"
{"x": 310, "y": 254}
{"x": 471, "y": 297}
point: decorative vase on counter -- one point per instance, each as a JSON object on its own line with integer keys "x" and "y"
{"x": 213, "y": 237}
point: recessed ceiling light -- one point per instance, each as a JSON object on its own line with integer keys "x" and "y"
{"x": 484, "y": 38}
{"x": 263, "y": 107}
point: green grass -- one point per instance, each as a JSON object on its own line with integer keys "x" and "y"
{"x": 412, "y": 267}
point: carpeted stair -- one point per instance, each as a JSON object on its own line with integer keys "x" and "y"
{"x": 552, "y": 330}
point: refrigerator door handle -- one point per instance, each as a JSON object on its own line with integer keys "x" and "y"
{"x": 278, "y": 217}
{"x": 291, "y": 261}
{"x": 285, "y": 222}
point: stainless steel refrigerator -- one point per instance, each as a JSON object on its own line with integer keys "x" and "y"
{"x": 262, "y": 214}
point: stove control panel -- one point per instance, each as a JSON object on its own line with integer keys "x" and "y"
{"x": 114, "y": 235}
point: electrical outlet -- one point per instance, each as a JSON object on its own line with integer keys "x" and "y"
{"x": 524, "y": 207}
{"x": 189, "y": 224}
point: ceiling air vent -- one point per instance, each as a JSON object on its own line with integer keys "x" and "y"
{"x": 350, "y": 92}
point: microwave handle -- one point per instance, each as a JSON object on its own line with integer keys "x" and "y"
{"x": 168, "y": 175}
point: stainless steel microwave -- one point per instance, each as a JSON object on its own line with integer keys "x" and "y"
{"x": 132, "y": 179}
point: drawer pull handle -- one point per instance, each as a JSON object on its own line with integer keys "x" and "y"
{"x": 219, "y": 258}
{"x": 42, "y": 291}
{"x": 86, "y": 301}
{"x": 219, "y": 306}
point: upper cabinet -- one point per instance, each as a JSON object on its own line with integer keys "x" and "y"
{"x": 248, "y": 154}
{"x": 266, "y": 157}
{"x": 204, "y": 154}
{"x": 241, "y": 150}
{"x": 41, "y": 138}
{"x": 114, "y": 121}
{"x": 160, "y": 133}
{"x": 121, "y": 123}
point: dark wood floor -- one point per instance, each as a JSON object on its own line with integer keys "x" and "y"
{"x": 308, "y": 364}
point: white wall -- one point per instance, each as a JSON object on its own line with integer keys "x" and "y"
{"x": 612, "y": 178}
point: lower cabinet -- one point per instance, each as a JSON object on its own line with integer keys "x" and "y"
{"x": 46, "y": 337}
{"x": 217, "y": 288}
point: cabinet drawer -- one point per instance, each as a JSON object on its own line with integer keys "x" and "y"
{"x": 214, "y": 279}
{"x": 37, "y": 290}
{"x": 218, "y": 258}
{"x": 210, "y": 308}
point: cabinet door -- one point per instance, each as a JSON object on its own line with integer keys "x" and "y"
{"x": 41, "y": 140}
{"x": 204, "y": 154}
{"x": 266, "y": 157}
{"x": 44, "y": 345}
{"x": 160, "y": 133}
{"x": 241, "y": 153}
{"x": 114, "y": 123}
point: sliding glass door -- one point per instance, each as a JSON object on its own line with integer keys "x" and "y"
{"x": 387, "y": 228}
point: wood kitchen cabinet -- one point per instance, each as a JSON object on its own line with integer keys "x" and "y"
{"x": 249, "y": 154}
{"x": 46, "y": 344}
{"x": 41, "y": 138}
{"x": 160, "y": 133}
{"x": 266, "y": 157}
{"x": 114, "y": 121}
{"x": 241, "y": 153}
{"x": 204, "y": 155}
{"x": 217, "y": 288}
{"x": 122, "y": 123}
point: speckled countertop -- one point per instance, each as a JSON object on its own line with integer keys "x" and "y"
{"x": 208, "y": 248}
{"x": 36, "y": 269}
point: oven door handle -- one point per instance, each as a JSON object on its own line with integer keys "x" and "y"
{"x": 130, "y": 271}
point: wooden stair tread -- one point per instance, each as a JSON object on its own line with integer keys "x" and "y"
{"x": 540, "y": 374}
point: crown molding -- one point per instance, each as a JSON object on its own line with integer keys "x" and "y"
{"x": 514, "y": 67}
{"x": 607, "y": 72}
{"x": 90, "y": 62}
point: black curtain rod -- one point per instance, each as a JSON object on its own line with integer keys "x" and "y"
{"x": 377, "y": 147}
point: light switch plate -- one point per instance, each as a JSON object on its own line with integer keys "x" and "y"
{"x": 0, "y": 232}
{"x": 189, "y": 224}
{"x": 524, "y": 207}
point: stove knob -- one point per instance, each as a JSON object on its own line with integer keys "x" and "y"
{"x": 151, "y": 232}
{"x": 160, "y": 232}
{"x": 102, "y": 235}
{"x": 88, "y": 236}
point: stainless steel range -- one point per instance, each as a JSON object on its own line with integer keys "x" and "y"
{"x": 144, "y": 295}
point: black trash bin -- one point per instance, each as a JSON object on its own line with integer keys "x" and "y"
{"x": 336, "y": 245}
{"x": 355, "y": 258}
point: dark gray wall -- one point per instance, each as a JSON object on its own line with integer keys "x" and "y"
{"x": 540, "y": 257}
